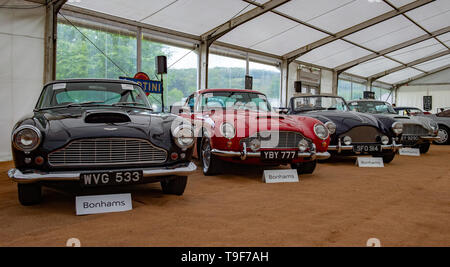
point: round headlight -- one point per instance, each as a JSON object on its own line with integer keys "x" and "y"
{"x": 321, "y": 131}
{"x": 331, "y": 126}
{"x": 397, "y": 127}
{"x": 434, "y": 126}
{"x": 303, "y": 145}
{"x": 384, "y": 140}
{"x": 183, "y": 136}
{"x": 255, "y": 144}
{"x": 347, "y": 140}
{"x": 227, "y": 130}
{"x": 26, "y": 138}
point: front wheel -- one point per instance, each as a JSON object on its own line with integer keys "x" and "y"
{"x": 388, "y": 158}
{"x": 444, "y": 135}
{"x": 174, "y": 186}
{"x": 210, "y": 164}
{"x": 305, "y": 167}
{"x": 29, "y": 194}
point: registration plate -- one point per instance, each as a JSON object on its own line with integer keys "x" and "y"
{"x": 411, "y": 138}
{"x": 111, "y": 178}
{"x": 366, "y": 148}
{"x": 278, "y": 155}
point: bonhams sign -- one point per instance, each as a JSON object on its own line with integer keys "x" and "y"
{"x": 103, "y": 204}
{"x": 280, "y": 176}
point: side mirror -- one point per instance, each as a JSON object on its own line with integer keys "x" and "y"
{"x": 282, "y": 110}
{"x": 185, "y": 110}
{"x": 179, "y": 109}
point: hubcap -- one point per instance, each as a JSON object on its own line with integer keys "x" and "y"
{"x": 206, "y": 155}
{"x": 443, "y": 134}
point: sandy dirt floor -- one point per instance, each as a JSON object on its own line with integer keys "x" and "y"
{"x": 407, "y": 203}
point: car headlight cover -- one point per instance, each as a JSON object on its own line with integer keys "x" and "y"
{"x": 384, "y": 140}
{"x": 331, "y": 126}
{"x": 347, "y": 140}
{"x": 227, "y": 130}
{"x": 183, "y": 136}
{"x": 397, "y": 127}
{"x": 26, "y": 138}
{"x": 433, "y": 126}
{"x": 321, "y": 131}
{"x": 303, "y": 145}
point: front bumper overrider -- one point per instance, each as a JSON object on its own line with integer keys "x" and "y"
{"x": 339, "y": 147}
{"x": 244, "y": 154}
{"x": 20, "y": 177}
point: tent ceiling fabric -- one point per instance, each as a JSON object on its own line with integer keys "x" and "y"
{"x": 299, "y": 23}
{"x": 373, "y": 66}
{"x": 417, "y": 51}
{"x": 334, "y": 54}
{"x": 434, "y": 64}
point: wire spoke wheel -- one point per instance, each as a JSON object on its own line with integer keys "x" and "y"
{"x": 206, "y": 154}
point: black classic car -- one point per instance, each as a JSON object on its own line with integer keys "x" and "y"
{"x": 418, "y": 132}
{"x": 99, "y": 133}
{"x": 352, "y": 133}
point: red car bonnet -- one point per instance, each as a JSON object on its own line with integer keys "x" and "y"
{"x": 248, "y": 123}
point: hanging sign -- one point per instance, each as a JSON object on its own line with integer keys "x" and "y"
{"x": 149, "y": 86}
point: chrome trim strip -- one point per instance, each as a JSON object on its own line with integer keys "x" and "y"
{"x": 17, "y": 176}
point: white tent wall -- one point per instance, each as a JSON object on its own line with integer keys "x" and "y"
{"x": 437, "y": 86}
{"x": 293, "y": 76}
{"x": 326, "y": 82}
{"x": 21, "y": 66}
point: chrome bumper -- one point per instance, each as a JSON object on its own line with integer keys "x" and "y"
{"x": 339, "y": 148}
{"x": 429, "y": 138}
{"x": 17, "y": 176}
{"x": 244, "y": 154}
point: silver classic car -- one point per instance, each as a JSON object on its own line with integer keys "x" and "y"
{"x": 418, "y": 132}
{"x": 442, "y": 119}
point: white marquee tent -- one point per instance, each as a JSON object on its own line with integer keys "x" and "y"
{"x": 390, "y": 41}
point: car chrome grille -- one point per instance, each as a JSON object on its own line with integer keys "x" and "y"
{"x": 414, "y": 129}
{"x": 363, "y": 134}
{"x": 275, "y": 139}
{"x": 107, "y": 151}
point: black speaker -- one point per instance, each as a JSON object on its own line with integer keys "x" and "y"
{"x": 298, "y": 86}
{"x": 427, "y": 103}
{"x": 161, "y": 64}
{"x": 248, "y": 82}
{"x": 369, "y": 95}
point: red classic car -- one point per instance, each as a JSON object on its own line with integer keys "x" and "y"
{"x": 239, "y": 126}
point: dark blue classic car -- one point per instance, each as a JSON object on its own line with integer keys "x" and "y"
{"x": 352, "y": 133}
{"x": 99, "y": 133}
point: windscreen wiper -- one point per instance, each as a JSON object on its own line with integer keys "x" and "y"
{"x": 131, "y": 104}
{"x": 71, "y": 105}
